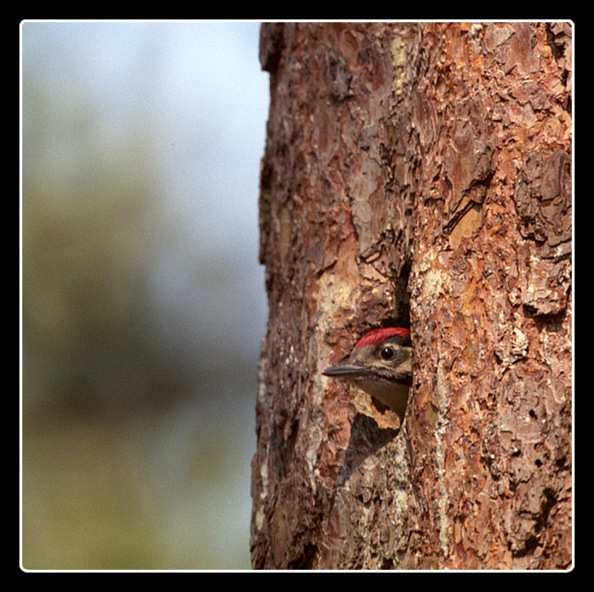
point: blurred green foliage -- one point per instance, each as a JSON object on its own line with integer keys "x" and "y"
{"x": 81, "y": 501}
{"x": 90, "y": 230}
{"x": 99, "y": 390}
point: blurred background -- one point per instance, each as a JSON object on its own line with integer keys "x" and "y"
{"x": 143, "y": 304}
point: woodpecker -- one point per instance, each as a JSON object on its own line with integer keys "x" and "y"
{"x": 380, "y": 364}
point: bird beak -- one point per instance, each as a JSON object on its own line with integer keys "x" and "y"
{"x": 345, "y": 370}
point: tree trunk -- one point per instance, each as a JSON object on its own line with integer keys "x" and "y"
{"x": 417, "y": 173}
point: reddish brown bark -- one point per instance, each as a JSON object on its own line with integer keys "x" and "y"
{"x": 422, "y": 173}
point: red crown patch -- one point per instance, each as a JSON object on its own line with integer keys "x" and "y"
{"x": 376, "y": 336}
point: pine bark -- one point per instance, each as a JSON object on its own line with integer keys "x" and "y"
{"x": 417, "y": 173}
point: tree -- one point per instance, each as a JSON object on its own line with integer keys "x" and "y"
{"x": 417, "y": 173}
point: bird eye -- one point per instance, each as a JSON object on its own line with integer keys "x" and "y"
{"x": 387, "y": 353}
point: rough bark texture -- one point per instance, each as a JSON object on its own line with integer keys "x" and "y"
{"x": 417, "y": 173}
